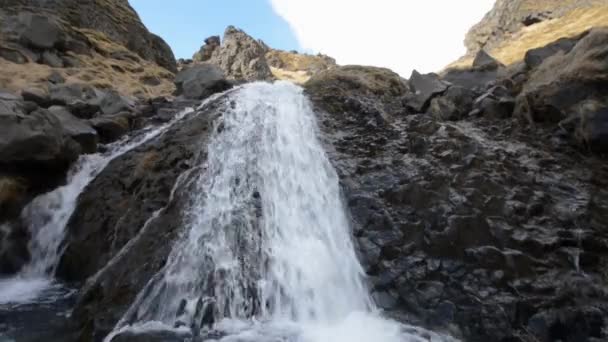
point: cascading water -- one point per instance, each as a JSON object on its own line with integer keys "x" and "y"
{"x": 266, "y": 254}
{"x": 47, "y": 216}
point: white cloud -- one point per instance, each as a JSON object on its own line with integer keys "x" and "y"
{"x": 398, "y": 34}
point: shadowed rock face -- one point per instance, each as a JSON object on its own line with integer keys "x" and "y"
{"x": 115, "y": 18}
{"x": 113, "y": 211}
{"x": 509, "y": 16}
{"x": 480, "y": 227}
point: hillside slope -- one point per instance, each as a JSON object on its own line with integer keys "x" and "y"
{"x": 515, "y": 26}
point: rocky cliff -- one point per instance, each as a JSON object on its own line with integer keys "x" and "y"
{"x": 242, "y": 57}
{"x": 75, "y": 75}
{"x": 478, "y": 197}
{"x": 513, "y": 27}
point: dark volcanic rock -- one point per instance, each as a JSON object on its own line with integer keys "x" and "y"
{"x": 484, "y": 61}
{"x": 36, "y": 138}
{"x": 36, "y": 95}
{"x": 474, "y": 78}
{"x": 112, "y": 127}
{"x": 112, "y": 103}
{"x": 425, "y": 87}
{"x": 76, "y": 129}
{"x": 52, "y": 60}
{"x": 535, "y": 57}
{"x": 13, "y": 55}
{"x": 13, "y": 245}
{"x": 456, "y": 103}
{"x": 477, "y": 227}
{"x": 200, "y": 81}
{"x": 39, "y": 26}
{"x": 564, "y": 87}
{"x": 114, "y": 225}
{"x": 39, "y": 31}
{"x": 155, "y": 336}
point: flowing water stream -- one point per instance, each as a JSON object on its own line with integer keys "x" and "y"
{"x": 266, "y": 253}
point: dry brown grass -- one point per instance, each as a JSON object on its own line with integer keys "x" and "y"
{"x": 572, "y": 24}
{"x": 297, "y": 77}
{"x": 298, "y": 61}
{"x": 100, "y": 70}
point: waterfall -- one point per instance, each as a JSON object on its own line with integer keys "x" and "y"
{"x": 266, "y": 253}
{"x": 47, "y": 216}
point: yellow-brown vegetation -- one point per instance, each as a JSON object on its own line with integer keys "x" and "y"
{"x": 513, "y": 49}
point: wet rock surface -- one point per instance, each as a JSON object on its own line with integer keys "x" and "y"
{"x": 483, "y": 227}
{"x": 126, "y": 220}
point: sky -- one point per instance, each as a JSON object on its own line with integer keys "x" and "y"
{"x": 402, "y": 35}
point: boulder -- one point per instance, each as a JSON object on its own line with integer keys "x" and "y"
{"x": 200, "y": 81}
{"x": 563, "y": 83}
{"x": 112, "y": 102}
{"x": 425, "y": 87}
{"x": 483, "y": 61}
{"x": 56, "y": 78}
{"x": 496, "y": 103}
{"x": 79, "y": 130}
{"x": 454, "y": 104}
{"x": 111, "y": 127}
{"x": 36, "y": 138}
{"x": 13, "y": 55}
{"x": 475, "y": 79}
{"x": 13, "y": 247}
{"x": 115, "y": 19}
{"x": 39, "y": 31}
{"x": 369, "y": 92}
{"x": 13, "y": 194}
{"x": 241, "y": 57}
{"x": 68, "y": 94}
{"x": 593, "y": 128}
{"x": 535, "y": 57}
{"x": 11, "y": 105}
{"x": 37, "y": 95}
{"x": 51, "y": 59}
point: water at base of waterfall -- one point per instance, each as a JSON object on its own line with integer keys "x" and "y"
{"x": 266, "y": 253}
{"x": 32, "y": 303}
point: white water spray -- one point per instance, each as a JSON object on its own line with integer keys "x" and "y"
{"x": 267, "y": 251}
{"x": 48, "y": 214}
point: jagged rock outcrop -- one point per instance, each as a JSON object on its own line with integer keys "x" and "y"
{"x": 76, "y": 73}
{"x": 509, "y": 16}
{"x": 102, "y": 42}
{"x": 114, "y": 18}
{"x": 481, "y": 226}
{"x": 513, "y": 27}
{"x": 206, "y": 51}
{"x": 241, "y": 57}
{"x": 569, "y": 89}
